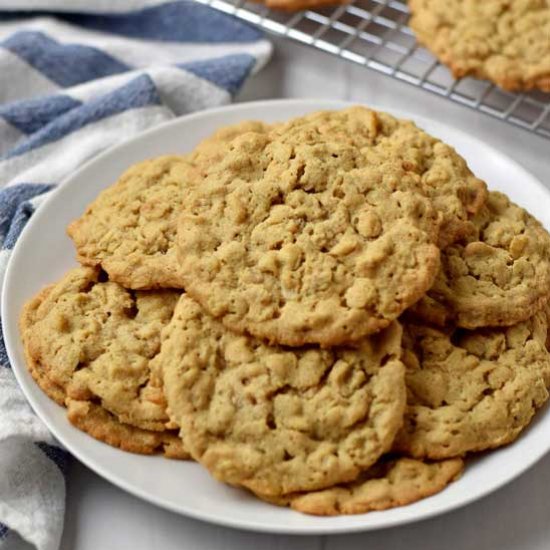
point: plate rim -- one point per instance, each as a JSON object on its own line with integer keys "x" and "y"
{"x": 11, "y": 333}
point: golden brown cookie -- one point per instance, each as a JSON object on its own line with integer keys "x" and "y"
{"x": 210, "y": 149}
{"x": 472, "y": 390}
{"x": 387, "y": 484}
{"x": 323, "y": 229}
{"x": 278, "y": 420}
{"x": 129, "y": 229}
{"x": 454, "y": 191}
{"x": 89, "y": 345}
{"x": 504, "y": 41}
{"x": 381, "y": 140}
{"x": 53, "y": 390}
{"x": 96, "y": 421}
{"x": 498, "y": 276}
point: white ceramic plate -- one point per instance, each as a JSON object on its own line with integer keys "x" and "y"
{"x": 44, "y": 253}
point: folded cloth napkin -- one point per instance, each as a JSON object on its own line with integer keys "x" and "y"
{"x": 73, "y": 83}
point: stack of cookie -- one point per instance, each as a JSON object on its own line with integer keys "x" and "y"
{"x": 330, "y": 312}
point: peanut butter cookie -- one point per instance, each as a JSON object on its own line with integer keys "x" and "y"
{"x": 507, "y": 42}
{"x": 323, "y": 229}
{"x": 96, "y": 421}
{"x": 129, "y": 229}
{"x": 472, "y": 390}
{"x": 387, "y": 484}
{"x": 89, "y": 345}
{"x": 498, "y": 276}
{"x": 279, "y": 420}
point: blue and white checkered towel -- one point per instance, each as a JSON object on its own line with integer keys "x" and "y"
{"x": 73, "y": 83}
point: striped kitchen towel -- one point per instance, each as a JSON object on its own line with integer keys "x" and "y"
{"x": 74, "y": 80}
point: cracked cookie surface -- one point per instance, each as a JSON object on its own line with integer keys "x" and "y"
{"x": 129, "y": 229}
{"x": 504, "y": 41}
{"x": 98, "y": 422}
{"x": 323, "y": 229}
{"x": 89, "y": 345}
{"x": 498, "y": 276}
{"x": 471, "y": 390}
{"x": 278, "y": 420}
{"x": 387, "y": 484}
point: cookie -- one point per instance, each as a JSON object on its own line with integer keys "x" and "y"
{"x": 498, "y": 40}
{"x": 387, "y": 484}
{"x": 453, "y": 189}
{"x": 96, "y": 421}
{"x": 472, "y": 390}
{"x": 444, "y": 175}
{"x": 89, "y": 345}
{"x": 53, "y": 390}
{"x": 382, "y": 140}
{"x": 210, "y": 149}
{"x": 129, "y": 229}
{"x": 279, "y": 420}
{"x": 498, "y": 276}
{"x": 324, "y": 229}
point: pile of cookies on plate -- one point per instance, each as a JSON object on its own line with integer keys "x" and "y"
{"x": 331, "y": 312}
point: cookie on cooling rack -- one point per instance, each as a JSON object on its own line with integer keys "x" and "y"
{"x": 505, "y": 42}
{"x": 298, "y": 5}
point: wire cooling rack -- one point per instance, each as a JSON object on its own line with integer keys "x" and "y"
{"x": 374, "y": 33}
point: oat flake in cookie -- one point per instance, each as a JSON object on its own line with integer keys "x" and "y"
{"x": 505, "y": 41}
{"x": 89, "y": 345}
{"x": 498, "y": 276}
{"x": 129, "y": 229}
{"x": 387, "y": 484}
{"x": 472, "y": 390}
{"x": 279, "y": 420}
{"x": 324, "y": 229}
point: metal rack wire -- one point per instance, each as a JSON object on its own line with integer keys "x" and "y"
{"x": 374, "y": 33}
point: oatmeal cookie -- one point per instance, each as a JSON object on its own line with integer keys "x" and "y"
{"x": 506, "y": 42}
{"x": 498, "y": 276}
{"x": 323, "y": 229}
{"x": 96, "y": 421}
{"x": 387, "y": 484}
{"x": 129, "y": 229}
{"x": 279, "y": 420}
{"x": 472, "y": 390}
{"x": 89, "y": 345}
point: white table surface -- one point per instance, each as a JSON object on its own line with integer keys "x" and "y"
{"x": 102, "y": 517}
